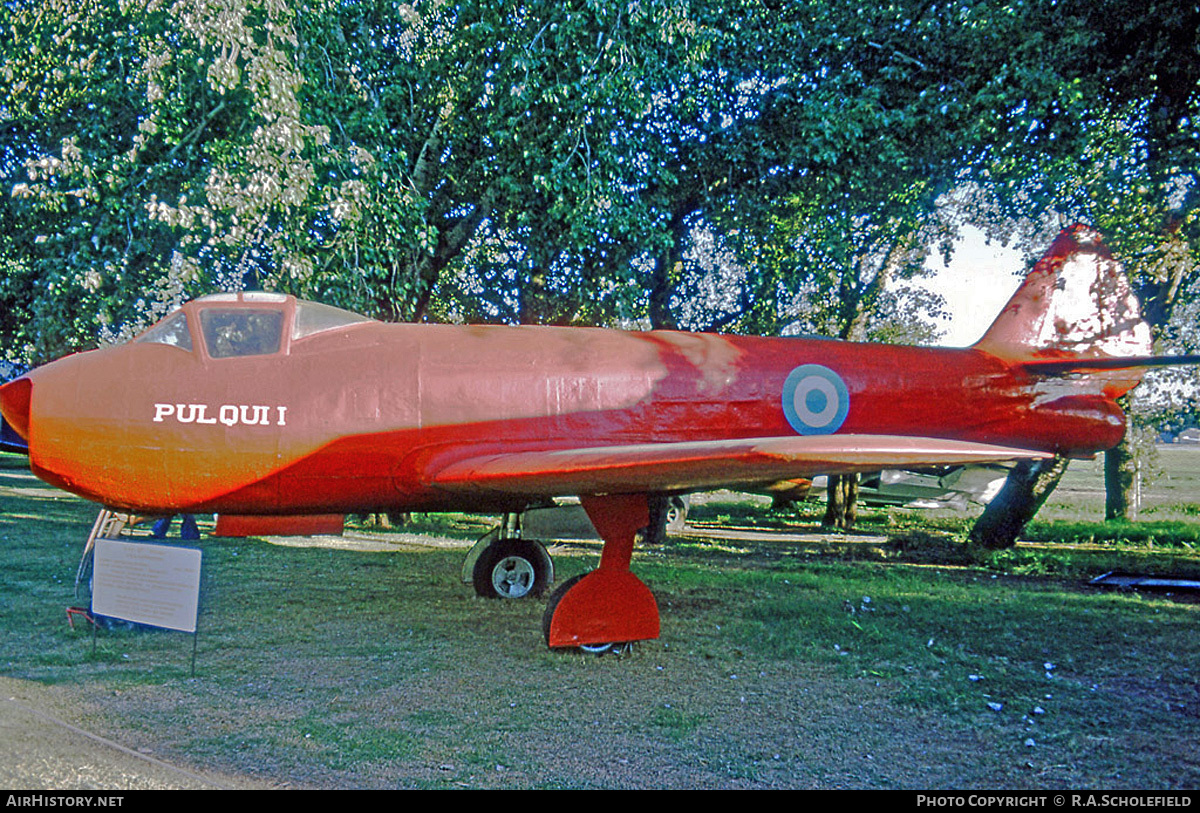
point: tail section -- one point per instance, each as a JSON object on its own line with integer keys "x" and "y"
{"x": 1076, "y": 303}
{"x": 1075, "y": 313}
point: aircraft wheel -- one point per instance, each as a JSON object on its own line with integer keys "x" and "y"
{"x": 552, "y": 604}
{"x": 677, "y": 510}
{"x": 512, "y": 568}
{"x": 616, "y": 648}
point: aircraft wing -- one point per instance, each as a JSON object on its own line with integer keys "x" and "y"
{"x": 703, "y": 465}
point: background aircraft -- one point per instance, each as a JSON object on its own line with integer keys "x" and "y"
{"x": 10, "y": 441}
{"x": 259, "y": 404}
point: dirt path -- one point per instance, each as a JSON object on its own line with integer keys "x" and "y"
{"x": 42, "y": 749}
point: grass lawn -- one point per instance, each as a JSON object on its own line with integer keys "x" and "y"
{"x": 888, "y": 661}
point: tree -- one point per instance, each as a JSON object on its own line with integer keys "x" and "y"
{"x": 337, "y": 150}
{"x": 1025, "y": 490}
{"x": 493, "y": 133}
{"x": 1131, "y": 165}
{"x": 150, "y": 152}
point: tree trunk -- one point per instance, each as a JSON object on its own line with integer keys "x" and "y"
{"x": 1026, "y": 489}
{"x": 661, "y": 287}
{"x": 1122, "y": 483}
{"x": 1122, "y": 477}
{"x": 859, "y": 301}
{"x": 667, "y": 269}
{"x": 841, "y": 507}
{"x": 656, "y": 531}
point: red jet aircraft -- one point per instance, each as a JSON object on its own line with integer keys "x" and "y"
{"x": 260, "y": 404}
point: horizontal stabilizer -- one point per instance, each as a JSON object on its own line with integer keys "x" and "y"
{"x": 1071, "y": 365}
{"x": 701, "y": 465}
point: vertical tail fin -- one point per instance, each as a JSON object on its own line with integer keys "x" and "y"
{"x": 1076, "y": 303}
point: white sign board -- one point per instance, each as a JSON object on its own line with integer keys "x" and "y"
{"x": 147, "y": 584}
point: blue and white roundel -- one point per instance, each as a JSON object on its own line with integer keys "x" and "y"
{"x": 815, "y": 400}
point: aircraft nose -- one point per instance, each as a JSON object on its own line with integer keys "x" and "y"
{"x": 14, "y": 405}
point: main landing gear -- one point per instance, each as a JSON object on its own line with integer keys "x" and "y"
{"x": 610, "y": 604}
{"x": 502, "y": 565}
{"x": 598, "y": 612}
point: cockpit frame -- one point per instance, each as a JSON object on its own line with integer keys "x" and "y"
{"x": 246, "y": 324}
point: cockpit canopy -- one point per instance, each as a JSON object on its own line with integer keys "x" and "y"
{"x": 246, "y": 324}
{"x": 232, "y": 332}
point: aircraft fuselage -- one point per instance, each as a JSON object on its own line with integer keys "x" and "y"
{"x": 349, "y": 419}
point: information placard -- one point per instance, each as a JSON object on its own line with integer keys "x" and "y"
{"x": 147, "y": 584}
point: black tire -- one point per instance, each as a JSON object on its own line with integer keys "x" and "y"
{"x": 512, "y": 568}
{"x": 552, "y": 604}
{"x": 677, "y": 510}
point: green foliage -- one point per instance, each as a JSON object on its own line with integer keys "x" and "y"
{"x": 1144, "y": 534}
{"x": 734, "y": 165}
{"x": 481, "y": 122}
{"x": 152, "y": 153}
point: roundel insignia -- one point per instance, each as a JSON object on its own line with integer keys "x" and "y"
{"x": 815, "y": 400}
